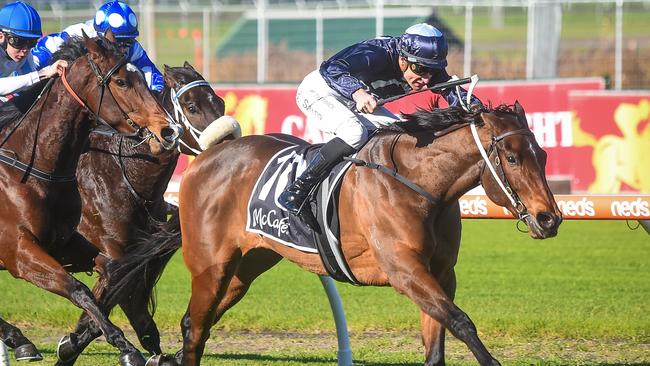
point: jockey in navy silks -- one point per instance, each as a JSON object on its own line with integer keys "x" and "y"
{"x": 122, "y": 21}
{"x": 20, "y": 29}
{"x": 342, "y": 94}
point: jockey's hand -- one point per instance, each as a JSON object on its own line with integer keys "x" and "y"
{"x": 366, "y": 103}
{"x": 56, "y": 69}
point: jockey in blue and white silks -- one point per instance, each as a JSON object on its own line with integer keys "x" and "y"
{"x": 118, "y": 17}
{"x": 20, "y": 28}
{"x": 342, "y": 95}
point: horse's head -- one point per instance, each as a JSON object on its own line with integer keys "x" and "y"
{"x": 194, "y": 102}
{"x": 117, "y": 93}
{"x": 519, "y": 162}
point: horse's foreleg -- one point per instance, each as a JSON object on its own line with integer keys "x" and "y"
{"x": 410, "y": 276}
{"x": 39, "y": 268}
{"x": 24, "y": 349}
{"x": 433, "y": 333}
{"x": 447, "y": 233}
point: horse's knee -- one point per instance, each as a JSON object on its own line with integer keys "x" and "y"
{"x": 460, "y": 325}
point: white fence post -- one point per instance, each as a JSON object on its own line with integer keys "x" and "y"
{"x": 345, "y": 353}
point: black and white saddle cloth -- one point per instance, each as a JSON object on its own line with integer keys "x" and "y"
{"x": 266, "y": 217}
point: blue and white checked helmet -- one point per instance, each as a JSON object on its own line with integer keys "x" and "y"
{"x": 425, "y": 45}
{"x": 20, "y": 19}
{"x": 119, "y": 17}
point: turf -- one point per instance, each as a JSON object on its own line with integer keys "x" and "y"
{"x": 580, "y": 298}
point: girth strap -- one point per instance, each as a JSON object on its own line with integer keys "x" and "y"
{"x": 402, "y": 179}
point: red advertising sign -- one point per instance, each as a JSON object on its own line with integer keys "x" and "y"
{"x": 611, "y": 143}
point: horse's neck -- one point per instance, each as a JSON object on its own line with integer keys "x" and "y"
{"x": 446, "y": 167}
{"x": 52, "y": 134}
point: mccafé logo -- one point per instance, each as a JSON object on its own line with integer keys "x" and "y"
{"x": 474, "y": 207}
{"x": 637, "y": 207}
{"x": 583, "y": 207}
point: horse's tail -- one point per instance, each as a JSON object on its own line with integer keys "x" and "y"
{"x": 141, "y": 266}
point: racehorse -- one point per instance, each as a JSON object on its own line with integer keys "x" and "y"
{"x": 403, "y": 235}
{"x": 131, "y": 183}
{"x": 40, "y": 152}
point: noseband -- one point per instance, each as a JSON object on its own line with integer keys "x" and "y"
{"x": 102, "y": 81}
{"x": 179, "y": 115}
{"x": 500, "y": 175}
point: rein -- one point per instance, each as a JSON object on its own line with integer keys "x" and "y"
{"x": 180, "y": 115}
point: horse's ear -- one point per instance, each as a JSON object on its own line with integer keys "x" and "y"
{"x": 110, "y": 36}
{"x": 91, "y": 45}
{"x": 521, "y": 114}
{"x": 188, "y": 65}
{"x": 169, "y": 77}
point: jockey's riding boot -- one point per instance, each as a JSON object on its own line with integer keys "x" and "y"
{"x": 293, "y": 198}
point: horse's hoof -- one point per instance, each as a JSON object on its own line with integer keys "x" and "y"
{"x": 132, "y": 359}
{"x": 27, "y": 352}
{"x": 66, "y": 350}
{"x": 161, "y": 360}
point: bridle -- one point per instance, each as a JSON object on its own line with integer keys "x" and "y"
{"x": 179, "y": 115}
{"x": 102, "y": 81}
{"x": 500, "y": 175}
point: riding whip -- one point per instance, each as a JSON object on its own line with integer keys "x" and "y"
{"x": 437, "y": 87}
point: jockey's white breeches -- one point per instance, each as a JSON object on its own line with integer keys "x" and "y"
{"x": 337, "y": 115}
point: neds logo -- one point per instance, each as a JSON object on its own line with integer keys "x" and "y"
{"x": 637, "y": 208}
{"x": 584, "y": 207}
{"x": 476, "y": 206}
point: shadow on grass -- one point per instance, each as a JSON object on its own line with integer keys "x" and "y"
{"x": 281, "y": 360}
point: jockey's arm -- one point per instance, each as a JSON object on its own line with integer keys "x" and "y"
{"x": 13, "y": 84}
{"x": 343, "y": 74}
{"x": 139, "y": 58}
{"x": 450, "y": 94}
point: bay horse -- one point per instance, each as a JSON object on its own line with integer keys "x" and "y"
{"x": 40, "y": 153}
{"x": 131, "y": 183}
{"x": 389, "y": 233}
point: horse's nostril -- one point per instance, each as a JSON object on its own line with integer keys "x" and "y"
{"x": 547, "y": 220}
{"x": 168, "y": 134}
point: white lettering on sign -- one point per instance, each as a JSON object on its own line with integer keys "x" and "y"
{"x": 552, "y": 129}
{"x": 583, "y": 207}
{"x": 476, "y": 206}
{"x": 270, "y": 219}
{"x": 636, "y": 208}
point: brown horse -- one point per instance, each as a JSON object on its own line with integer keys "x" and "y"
{"x": 40, "y": 152}
{"x": 131, "y": 183}
{"x": 389, "y": 233}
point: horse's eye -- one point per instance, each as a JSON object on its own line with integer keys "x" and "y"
{"x": 192, "y": 108}
{"x": 120, "y": 83}
{"x": 511, "y": 159}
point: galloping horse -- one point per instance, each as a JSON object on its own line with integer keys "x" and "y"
{"x": 131, "y": 183}
{"x": 40, "y": 152}
{"x": 389, "y": 233}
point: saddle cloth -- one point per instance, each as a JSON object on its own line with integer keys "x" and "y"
{"x": 268, "y": 218}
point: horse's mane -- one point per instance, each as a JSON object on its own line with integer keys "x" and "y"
{"x": 434, "y": 119}
{"x": 74, "y": 47}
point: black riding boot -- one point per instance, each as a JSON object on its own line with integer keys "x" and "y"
{"x": 293, "y": 198}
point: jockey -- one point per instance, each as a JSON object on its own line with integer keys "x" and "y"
{"x": 20, "y": 28}
{"x": 342, "y": 94}
{"x": 118, "y": 17}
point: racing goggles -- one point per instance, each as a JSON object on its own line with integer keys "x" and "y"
{"x": 421, "y": 70}
{"x": 125, "y": 42}
{"x": 20, "y": 43}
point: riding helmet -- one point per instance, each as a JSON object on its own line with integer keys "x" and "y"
{"x": 20, "y": 19}
{"x": 117, "y": 16}
{"x": 425, "y": 45}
